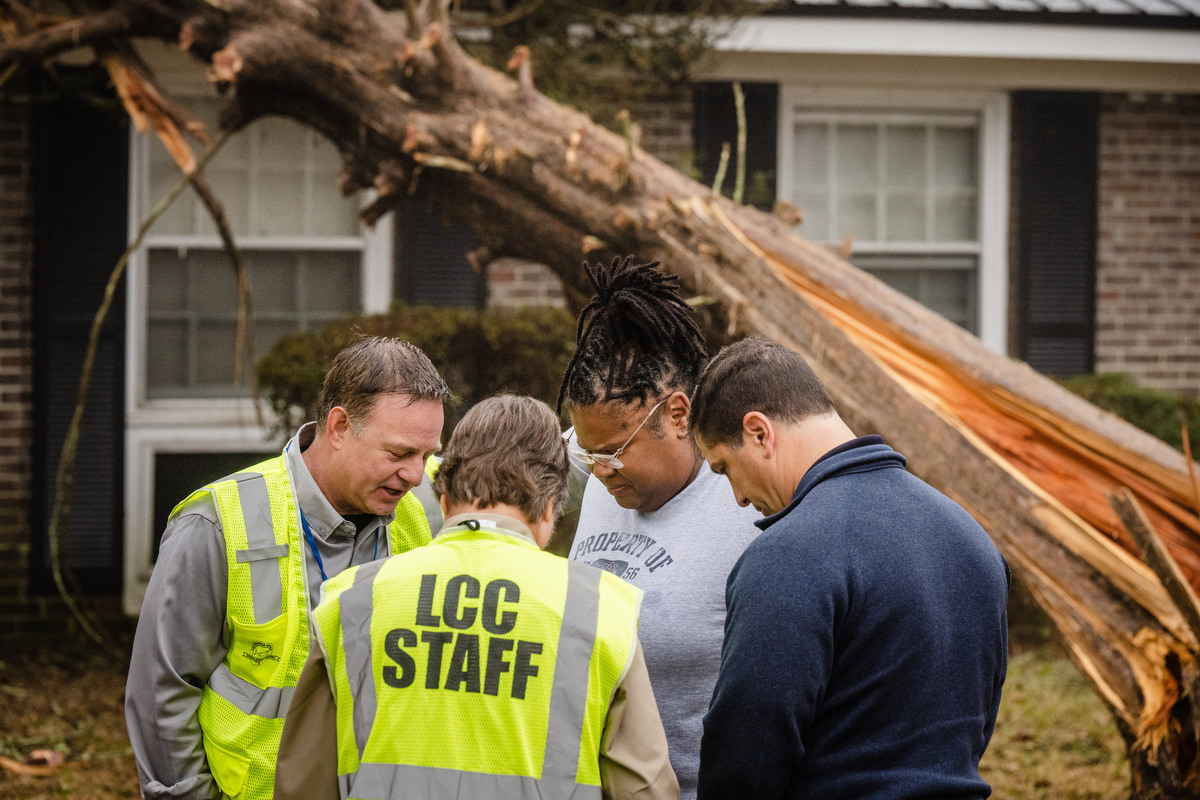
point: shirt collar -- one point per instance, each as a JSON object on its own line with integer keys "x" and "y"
{"x": 495, "y": 522}
{"x": 322, "y": 518}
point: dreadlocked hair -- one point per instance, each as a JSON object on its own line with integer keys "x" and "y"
{"x": 636, "y": 338}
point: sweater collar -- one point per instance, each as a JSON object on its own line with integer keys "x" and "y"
{"x": 865, "y": 451}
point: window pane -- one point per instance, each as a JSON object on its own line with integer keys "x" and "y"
{"x": 289, "y": 293}
{"x": 906, "y": 217}
{"x": 232, "y": 190}
{"x": 858, "y": 155}
{"x": 215, "y": 356}
{"x": 279, "y": 209}
{"x": 857, "y": 217}
{"x": 906, "y": 156}
{"x": 946, "y": 284}
{"x": 178, "y": 218}
{"x": 810, "y": 160}
{"x": 273, "y": 282}
{"x": 816, "y": 215}
{"x": 214, "y": 282}
{"x": 956, "y": 217}
{"x": 331, "y": 282}
{"x": 332, "y": 214}
{"x": 167, "y": 285}
{"x": 955, "y": 155}
{"x": 167, "y": 359}
{"x": 281, "y": 142}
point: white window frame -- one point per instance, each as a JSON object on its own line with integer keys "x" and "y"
{"x": 993, "y": 111}
{"x": 205, "y": 425}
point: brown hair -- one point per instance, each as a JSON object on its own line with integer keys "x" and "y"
{"x": 754, "y": 374}
{"x": 507, "y": 449}
{"x": 372, "y": 366}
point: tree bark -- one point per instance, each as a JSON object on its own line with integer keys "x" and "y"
{"x": 412, "y": 114}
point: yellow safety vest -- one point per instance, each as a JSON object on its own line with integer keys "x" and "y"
{"x": 476, "y": 667}
{"x": 244, "y": 702}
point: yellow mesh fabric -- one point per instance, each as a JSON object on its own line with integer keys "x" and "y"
{"x": 496, "y": 734}
{"x": 238, "y": 744}
{"x": 615, "y": 632}
{"x": 233, "y": 741}
{"x": 472, "y": 720}
{"x": 328, "y": 623}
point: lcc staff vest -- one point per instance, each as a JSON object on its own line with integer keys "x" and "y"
{"x": 478, "y": 666}
{"x": 244, "y": 702}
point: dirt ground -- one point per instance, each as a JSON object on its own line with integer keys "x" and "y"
{"x": 1054, "y": 739}
{"x": 68, "y": 696}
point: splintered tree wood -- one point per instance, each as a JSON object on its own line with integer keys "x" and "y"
{"x": 413, "y": 115}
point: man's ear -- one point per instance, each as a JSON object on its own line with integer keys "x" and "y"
{"x": 677, "y": 406}
{"x": 337, "y": 426}
{"x": 758, "y": 431}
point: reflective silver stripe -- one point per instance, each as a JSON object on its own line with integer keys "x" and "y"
{"x": 265, "y": 583}
{"x": 569, "y": 694}
{"x": 262, "y": 553}
{"x": 388, "y": 781}
{"x": 564, "y": 730}
{"x": 429, "y": 503}
{"x": 355, "y": 606}
{"x": 271, "y": 703}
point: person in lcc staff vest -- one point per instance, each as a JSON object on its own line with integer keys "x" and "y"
{"x": 225, "y": 624}
{"x": 480, "y": 666}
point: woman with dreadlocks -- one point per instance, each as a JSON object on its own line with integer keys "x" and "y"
{"x": 649, "y": 513}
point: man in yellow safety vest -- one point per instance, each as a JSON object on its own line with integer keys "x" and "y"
{"x": 224, "y": 630}
{"x": 479, "y": 666}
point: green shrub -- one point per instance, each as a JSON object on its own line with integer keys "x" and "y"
{"x": 1156, "y": 411}
{"x": 479, "y": 353}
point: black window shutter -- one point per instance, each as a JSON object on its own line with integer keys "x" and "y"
{"x": 80, "y": 210}
{"x": 431, "y": 260}
{"x": 1057, "y": 151}
{"x": 715, "y": 123}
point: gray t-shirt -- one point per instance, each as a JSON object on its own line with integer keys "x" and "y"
{"x": 680, "y": 557}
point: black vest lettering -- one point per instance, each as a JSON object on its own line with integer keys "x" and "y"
{"x": 507, "y": 620}
{"x": 433, "y": 669}
{"x": 496, "y": 665}
{"x": 523, "y": 668}
{"x": 408, "y": 667}
{"x": 450, "y": 605}
{"x": 464, "y": 663}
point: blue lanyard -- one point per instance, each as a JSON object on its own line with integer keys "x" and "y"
{"x": 312, "y": 544}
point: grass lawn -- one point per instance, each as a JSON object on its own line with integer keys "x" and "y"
{"x": 1054, "y": 737}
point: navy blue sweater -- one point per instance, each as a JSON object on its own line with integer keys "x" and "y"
{"x": 865, "y": 643}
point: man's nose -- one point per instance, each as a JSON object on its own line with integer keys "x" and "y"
{"x": 601, "y": 470}
{"x": 411, "y": 470}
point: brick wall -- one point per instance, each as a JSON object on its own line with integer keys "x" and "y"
{"x": 666, "y": 124}
{"x": 16, "y": 363}
{"x": 1148, "y": 253}
{"x": 513, "y": 283}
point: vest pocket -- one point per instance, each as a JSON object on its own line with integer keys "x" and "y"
{"x": 256, "y": 650}
{"x": 229, "y": 769}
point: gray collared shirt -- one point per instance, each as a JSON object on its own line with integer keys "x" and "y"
{"x": 182, "y": 636}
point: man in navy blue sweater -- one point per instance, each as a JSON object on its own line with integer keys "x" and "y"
{"x": 866, "y": 632}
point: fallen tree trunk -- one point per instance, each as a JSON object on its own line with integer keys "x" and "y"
{"x": 413, "y": 115}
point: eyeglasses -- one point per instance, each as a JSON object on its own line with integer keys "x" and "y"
{"x": 611, "y": 460}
